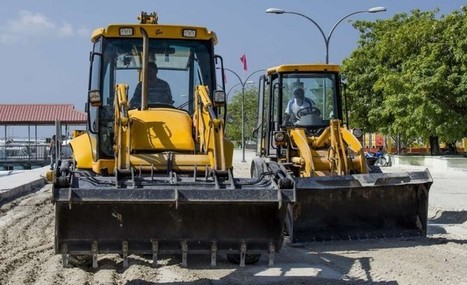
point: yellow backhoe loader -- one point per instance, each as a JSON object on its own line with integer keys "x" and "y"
{"x": 157, "y": 178}
{"x": 300, "y": 129}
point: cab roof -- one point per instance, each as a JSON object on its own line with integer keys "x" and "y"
{"x": 154, "y": 31}
{"x": 285, "y": 68}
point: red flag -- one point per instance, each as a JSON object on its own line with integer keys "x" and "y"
{"x": 243, "y": 60}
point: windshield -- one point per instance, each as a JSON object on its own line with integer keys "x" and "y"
{"x": 309, "y": 98}
{"x": 181, "y": 64}
{"x": 178, "y": 66}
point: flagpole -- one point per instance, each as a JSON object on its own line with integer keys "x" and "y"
{"x": 245, "y": 68}
{"x": 243, "y": 83}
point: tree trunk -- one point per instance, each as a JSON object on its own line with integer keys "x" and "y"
{"x": 434, "y": 145}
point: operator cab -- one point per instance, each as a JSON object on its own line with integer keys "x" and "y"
{"x": 318, "y": 88}
{"x": 183, "y": 57}
{"x": 297, "y": 96}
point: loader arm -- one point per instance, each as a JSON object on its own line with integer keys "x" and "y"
{"x": 209, "y": 129}
{"x": 340, "y": 141}
{"x": 122, "y": 125}
{"x": 306, "y": 153}
{"x": 337, "y": 141}
{"x": 352, "y": 143}
{"x": 337, "y": 153}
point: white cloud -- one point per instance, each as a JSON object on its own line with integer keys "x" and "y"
{"x": 84, "y": 32}
{"x": 66, "y": 30}
{"x": 31, "y": 26}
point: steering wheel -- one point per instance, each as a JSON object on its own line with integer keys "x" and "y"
{"x": 307, "y": 110}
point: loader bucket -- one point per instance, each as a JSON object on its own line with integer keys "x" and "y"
{"x": 359, "y": 206}
{"x": 169, "y": 219}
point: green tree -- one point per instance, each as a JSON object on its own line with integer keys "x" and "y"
{"x": 407, "y": 76}
{"x": 233, "y": 127}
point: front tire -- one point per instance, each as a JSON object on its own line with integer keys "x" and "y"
{"x": 258, "y": 168}
{"x": 249, "y": 258}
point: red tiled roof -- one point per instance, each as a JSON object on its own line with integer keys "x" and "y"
{"x": 40, "y": 114}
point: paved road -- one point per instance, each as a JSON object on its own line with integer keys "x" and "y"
{"x": 27, "y": 256}
{"x": 448, "y": 192}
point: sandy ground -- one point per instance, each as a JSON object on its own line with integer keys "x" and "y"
{"x": 27, "y": 257}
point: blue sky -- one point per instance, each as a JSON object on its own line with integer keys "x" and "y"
{"x": 45, "y": 43}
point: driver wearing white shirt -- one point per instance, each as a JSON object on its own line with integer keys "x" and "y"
{"x": 296, "y": 104}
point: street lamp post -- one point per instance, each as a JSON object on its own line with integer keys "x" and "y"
{"x": 232, "y": 88}
{"x": 328, "y": 37}
{"x": 243, "y": 83}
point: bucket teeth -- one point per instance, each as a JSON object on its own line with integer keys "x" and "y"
{"x": 242, "y": 254}
{"x": 79, "y": 257}
{"x": 155, "y": 252}
{"x": 184, "y": 253}
{"x": 213, "y": 254}
{"x": 272, "y": 250}
{"x": 65, "y": 257}
{"x": 125, "y": 253}
{"x": 94, "y": 251}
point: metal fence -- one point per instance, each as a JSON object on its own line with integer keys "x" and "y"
{"x": 24, "y": 155}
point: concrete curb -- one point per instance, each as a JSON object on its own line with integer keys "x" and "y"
{"x": 441, "y": 163}
{"x": 21, "y": 184}
{"x": 18, "y": 191}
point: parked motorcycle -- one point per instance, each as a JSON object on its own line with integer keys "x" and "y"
{"x": 378, "y": 158}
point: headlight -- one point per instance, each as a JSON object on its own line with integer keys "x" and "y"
{"x": 280, "y": 137}
{"x": 126, "y": 32}
{"x": 189, "y": 33}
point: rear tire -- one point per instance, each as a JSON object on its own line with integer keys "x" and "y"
{"x": 249, "y": 258}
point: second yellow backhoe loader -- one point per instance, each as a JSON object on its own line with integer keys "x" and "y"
{"x": 300, "y": 129}
{"x": 153, "y": 176}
